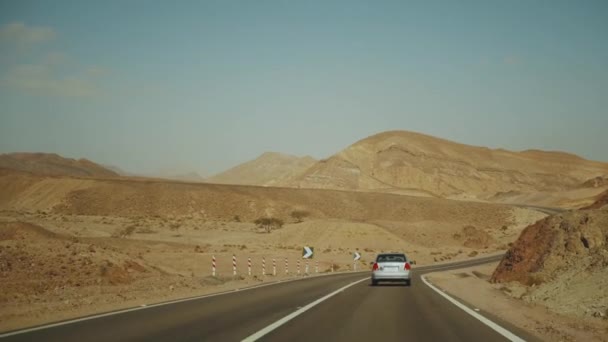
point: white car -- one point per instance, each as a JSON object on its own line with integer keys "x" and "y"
{"x": 392, "y": 267}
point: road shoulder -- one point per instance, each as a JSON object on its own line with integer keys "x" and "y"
{"x": 471, "y": 285}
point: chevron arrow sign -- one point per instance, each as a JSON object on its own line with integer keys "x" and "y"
{"x": 307, "y": 252}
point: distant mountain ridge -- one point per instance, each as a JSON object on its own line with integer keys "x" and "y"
{"x": 269, "y": 169}
{"x": 52, "y": 164}
{"x": 402, "y": 161}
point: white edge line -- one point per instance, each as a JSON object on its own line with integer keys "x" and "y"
{"x": 148, "y": 306}
{"x": 504, "y": 332}
{"x": 296, "y": 313}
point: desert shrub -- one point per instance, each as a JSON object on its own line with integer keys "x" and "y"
{"x": 268, "y": 223}
{"x": 122, "y": 233}
{"x": 236, "y": 218}
{"x": 299, "y": 215}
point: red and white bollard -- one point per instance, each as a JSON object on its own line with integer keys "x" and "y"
{"x": 249, "y": 266}
{"x": 233, "y": 265}
{"x": 263, "y": 266}
{"x": 274, "y": 267}
{"x": 213, "y": 265}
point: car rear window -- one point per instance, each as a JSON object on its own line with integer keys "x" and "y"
{"x": 391, "y": 257}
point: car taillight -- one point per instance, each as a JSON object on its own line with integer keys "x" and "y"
{"x": 375, "y": 266}
{"x": 407, "y": 266}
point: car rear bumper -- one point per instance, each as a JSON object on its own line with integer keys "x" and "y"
{"x": 388, "y": 276}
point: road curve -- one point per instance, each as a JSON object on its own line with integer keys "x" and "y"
{"x": 361, "y": 312}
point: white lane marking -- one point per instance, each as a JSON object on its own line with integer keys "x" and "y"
{"x": 504, "y": 332}
{"x": 293, "y": 315}
{"x": 147, "y": 306}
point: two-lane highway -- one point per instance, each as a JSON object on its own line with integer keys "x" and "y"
{"x": 359, "y": 312}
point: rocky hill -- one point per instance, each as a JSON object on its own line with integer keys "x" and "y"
{"x": 400, "y": 161}
{"x": 51, "y": 164}
{"x": 269, "y": 169}
{"x": 563, "y": 262}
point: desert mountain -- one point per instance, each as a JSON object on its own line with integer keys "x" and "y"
{"x": 269, "y": 169}
{"x": 53, "y": 165}
{"x": 406, "y": 162}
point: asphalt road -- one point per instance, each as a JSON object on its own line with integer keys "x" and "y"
{"x": 358, "y": 313}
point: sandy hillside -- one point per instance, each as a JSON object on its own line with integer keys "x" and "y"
{"x": 127, "y": 198}
{"x": 269, "y": 169}
{"x": 562, "y": 263}
{"x": 53, "y": 164}
{"x": 74, "y": 246}
{"x": 401, "y": 160}
{"x": 601, "y": 201}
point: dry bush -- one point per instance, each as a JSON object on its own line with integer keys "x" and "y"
{"x": 125, "y": 232}
{"x": 269, "y": 223}
{"x": 299, "y": 215}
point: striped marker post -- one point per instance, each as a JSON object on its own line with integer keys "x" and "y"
{"x": 263, "y": 266}
{"x": 316, "y": 267}
{"x": 213, "y": 265}
{"x": 249, "y": 266}
{"x": 234, "y": 265}
{"x": 306, "y": 272}
{"x": 298, "y": 267}
{"x": 274, "y": 267}
{"x": 286, "y": 266}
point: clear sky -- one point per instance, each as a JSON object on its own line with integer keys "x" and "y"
{"x": 204, "y": 85}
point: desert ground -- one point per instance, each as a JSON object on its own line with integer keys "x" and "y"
{"x": 73, "y": 246}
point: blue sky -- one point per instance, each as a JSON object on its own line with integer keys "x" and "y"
{"x": 159, "y": 86}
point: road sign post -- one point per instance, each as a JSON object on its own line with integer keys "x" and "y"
{"x": 213, "y": 265}
{"x": 356, "y": 257}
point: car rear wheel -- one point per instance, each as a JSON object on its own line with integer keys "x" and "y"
{"x": 408, "y": 282}
{"x": 374, "y": 282}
